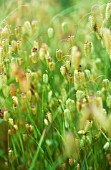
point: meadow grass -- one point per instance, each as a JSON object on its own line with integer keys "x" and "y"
{"x": 55, "y": 85}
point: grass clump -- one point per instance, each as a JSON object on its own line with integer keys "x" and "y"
{"x": 55, "y": 85}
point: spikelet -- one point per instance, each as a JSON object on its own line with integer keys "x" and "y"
{"x": 64, "y": 27}
{"x": 1, "y": 54}
{"x": 18, "y": 32}
{"x": 51, "y": 65}
{"x": 15, "y": 100}
{"x": 5, "y": 33}
{"x": 87, "y": 48}
{"x": 50, "y": 32}
{"x": 34, "y": 55}
{"x": 106, "y": 83}
{"x": 108, "y": 10}
{"x": 14, "y": 44}
{"x": 36, "y": 44}
{"x": 45, "y": 78}
{"x": 63, "y": 70}
{"x": 70, "y": 78}
{"x": 71, "y": 145}
{"x": 5, "y": 91}
{"x": 42, "y": 54}
{"x": 106, "y": 146}
{"x": 70, "y": 104}
{"x": 108, "y": 101}
{"x": 10, "y": 50}
{"x": 79, "y": 79}
{"x": 107, "y": 40}
{"x": 80, "y": 94}
{"x": 71, "y": 40}
{"x": 96, "y": 13}
{"x": 1, "y": 68}
{"x": 67, "y": 64}
{"x": 79, "y": 104}
{"x": 27, "y": 29}
{"x": 92, "y": 22}
{"x": 34, "y": 25}
{"x": 6, "y": 115}
{"x": 67, "y": 117}
{"x": 75, "y": 57}
{"x": 59, "y": 54}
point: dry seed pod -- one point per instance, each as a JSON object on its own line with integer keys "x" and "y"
{"x": 108, "y": 10}
{"x": 59, "y": 54}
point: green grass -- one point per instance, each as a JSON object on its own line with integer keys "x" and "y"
{"x": 58, "y": 117}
